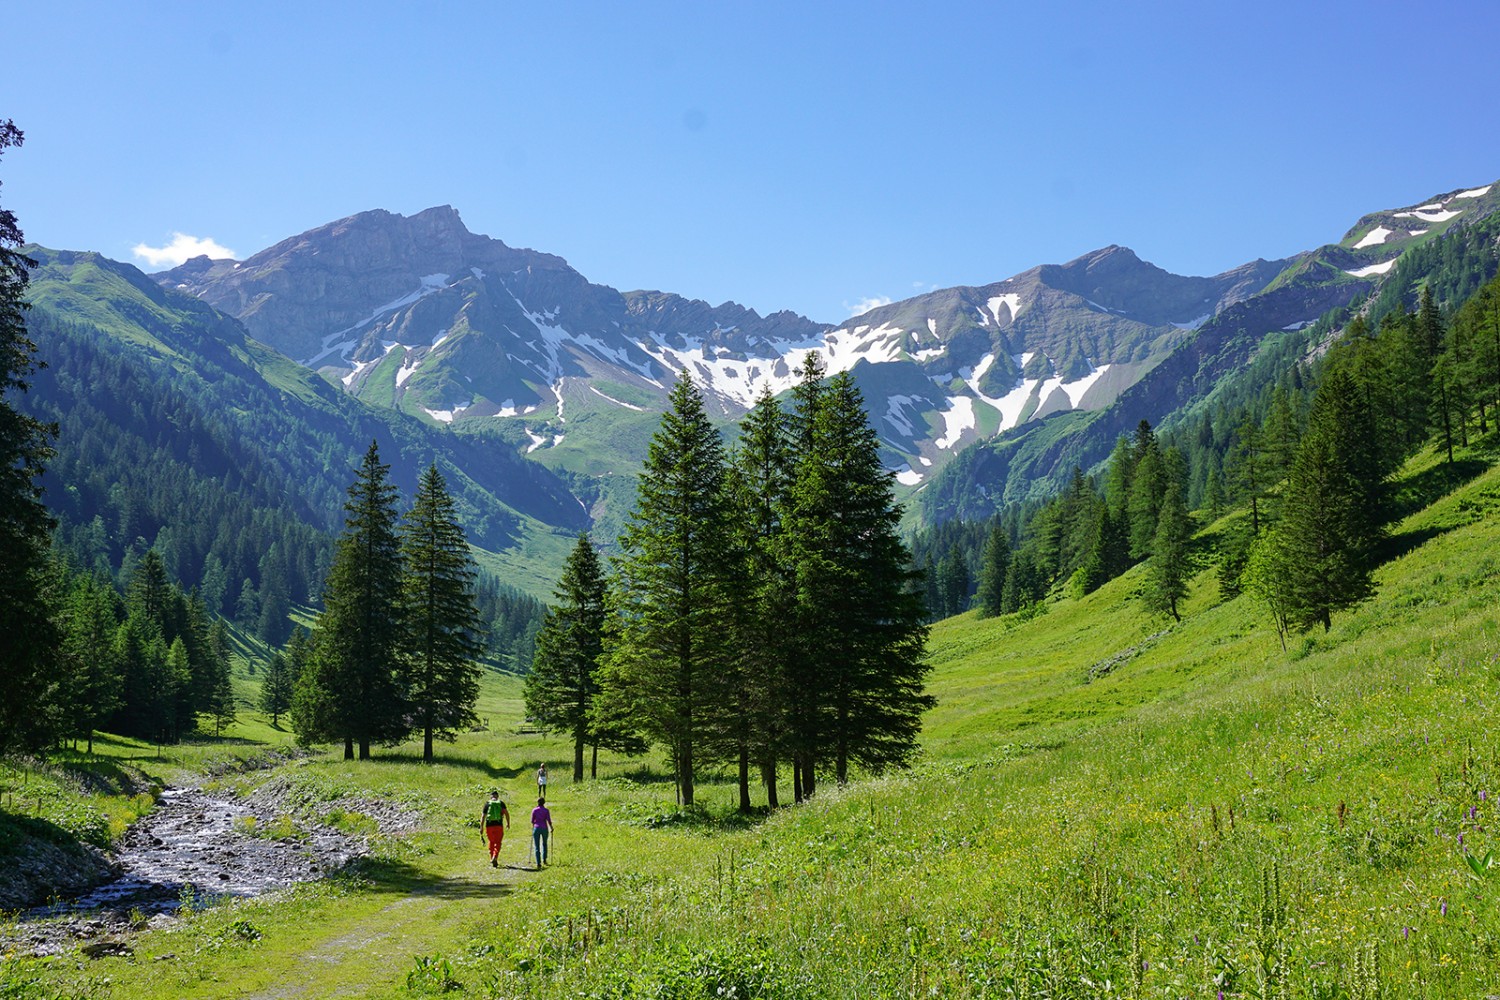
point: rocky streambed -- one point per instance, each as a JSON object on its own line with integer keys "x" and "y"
{"x": 198, "y": 847}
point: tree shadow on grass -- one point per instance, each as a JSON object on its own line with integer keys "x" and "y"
{"x": 446, "y": 760}
{"x": 1430, "y": 485}
{"x": 388, "y": 875}
{"x": 1395, "y": 546}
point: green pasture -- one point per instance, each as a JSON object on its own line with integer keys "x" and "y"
{"x": 1207, "y": 814}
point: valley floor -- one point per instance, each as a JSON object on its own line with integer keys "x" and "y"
{"x": 1213, "y": 815}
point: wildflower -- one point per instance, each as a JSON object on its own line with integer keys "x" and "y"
{"x": 1481, "y": 795}
{"x": 1405, "y": 933}
{"x": 1443, "y": 908}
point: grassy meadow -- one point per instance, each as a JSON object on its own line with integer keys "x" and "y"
{"x": 1108, "y": 804}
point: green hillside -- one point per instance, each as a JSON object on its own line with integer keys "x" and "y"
{"x": 1108, "y": 805}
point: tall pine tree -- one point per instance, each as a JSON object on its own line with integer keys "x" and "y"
{"x": 351, "y": 693}
{"x": 859, "y": 614}
{"x": 670, "y": 589}
{"x": 563, "y": 682}
{"x": 443, "y": 629}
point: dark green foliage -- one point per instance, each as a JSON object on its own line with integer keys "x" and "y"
{"x": 30, "y": 635}
{"x": 90, "y": 672}
{"x": 995, "y": 562}
{"x": 276, "y": 689}
{"x": 669, "y": 650}
{"x": 563, "y": 682}
{"x": 1169, "y": 568}
{"x": 351, "y": 692}
{"x": 443, "y": 628}
{"x": 858, "y": 613}
{"x": 1325, "y": 542}
{"x": 750, "y": 729}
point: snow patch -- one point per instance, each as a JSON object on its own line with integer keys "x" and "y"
{"x": 446, "y": 416}
{"x": 1429, "y": 213}
{"x": 1471, "y": 193}
{"x": 1373, "y": 238}
{"x": 1193, "y": 324}
{"x": 1365, "y": 272}
{"x": 1011, "y": 300}
{"x": 617, "y": 402}
{"x": 907, "y": 476}
{"x": 537, "y": 440}
{"x": 959, "y": 417}
{"x": 895, "y": 416}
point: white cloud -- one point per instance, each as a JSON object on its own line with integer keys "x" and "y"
{"x": 182, "y": 248}
{"x": 866, "y": 304}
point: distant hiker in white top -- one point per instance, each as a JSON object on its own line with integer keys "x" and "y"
{"x": 541, "y": 780}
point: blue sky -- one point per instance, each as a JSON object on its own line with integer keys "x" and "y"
{"x": 786, "y": 156}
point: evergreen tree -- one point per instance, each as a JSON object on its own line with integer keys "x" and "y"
{"x": 276, "y": 689}
{"x": 27, "y": 625}
{"x": 1327, "y": 536}
{"x": 222, "y": 707}
{"x": 670, "y": 646}
{"x": 93, "y": 676}
{"x": 1167, "y": 574}
{"x": 563, "y": 682}
{"x": 1147, "y": 487}
{"x": 442, "y": 620}
{"x": 993, "y": 567}
{"x": 754, "y": 728}
{"x": 351, "y": 692}
{"x": 859, "y": 614}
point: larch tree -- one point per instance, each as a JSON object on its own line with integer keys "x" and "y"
{"x": 444, "y": 633}
{"x": 670, "y": 644}
{"x": 351, "y": 691}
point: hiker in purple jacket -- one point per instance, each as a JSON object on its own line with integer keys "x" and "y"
{"x": 541, "y": 828}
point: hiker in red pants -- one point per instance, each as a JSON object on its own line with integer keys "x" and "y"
{"x": 496, "y": 818}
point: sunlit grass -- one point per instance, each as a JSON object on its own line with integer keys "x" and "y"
{"x": 1211, "y": 814}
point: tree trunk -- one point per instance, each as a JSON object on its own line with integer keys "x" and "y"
{"x": 744, "y": 777}
{"x": 578, "y": 738}
{"x": 809, "y": 780}
{"x": 768, "y": 778}
{"x": 364, "y": 748}
{"x": 797, "y": 795}
{"x": 594, "y": 762}
{"x": 687, "y": 775}
{"x": 427, "y": 744}
{"x": 348, "y": 748}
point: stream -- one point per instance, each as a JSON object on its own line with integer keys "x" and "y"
{"x": 190, "y": 838}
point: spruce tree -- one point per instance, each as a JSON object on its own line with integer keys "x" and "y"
{"x": 276, "y": 689}
{"x": 670, "y": 589}
{"x": 859, "y": 615}
{"x": 1331, "y": 523}
{"x": 352, "y": 692}
{"x": 1168, "y": 571}
{"x": 754, "y": 728}
{"x": 993, "y": 566}
{"x": 29, "y": 635}
{"x": 443, "y": 628}
{"x": 94, "y": 679}
{"x": 563, "y": 682}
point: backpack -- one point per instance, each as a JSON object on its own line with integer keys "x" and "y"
{"x": 494, "y": 811}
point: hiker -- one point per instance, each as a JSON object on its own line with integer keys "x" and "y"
{"x": 541, "y": 826}
{"x": 541, "y": 780}
{"x": 495, "y": 818}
